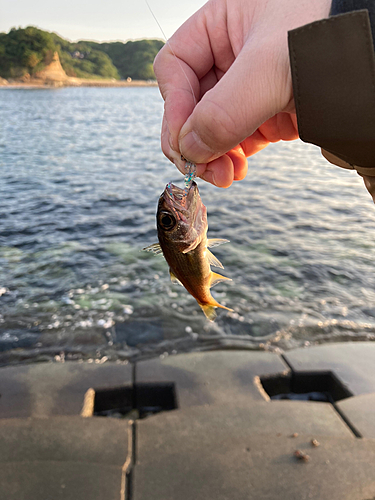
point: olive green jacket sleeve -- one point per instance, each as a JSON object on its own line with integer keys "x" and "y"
{"x": 333, "y": 73}
{"x": 343, "y": 6}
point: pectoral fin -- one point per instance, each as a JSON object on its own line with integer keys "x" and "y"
{"x": 174, "y": 280}
{"x": 193, "y": 246}
{"x": 217, "y": 278}
{"x": 155, "y": 248}
{"x": 215, "y": 242}
{"x": 212, "y": 260}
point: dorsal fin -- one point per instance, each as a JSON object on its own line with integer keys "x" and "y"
{"x": 216, "y": 278}
{"x": 212, "y": 260}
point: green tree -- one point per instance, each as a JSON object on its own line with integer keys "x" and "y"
{"x": 33, "y": 59}
{"x": 28, "y": 50}
{"x": 132, "y": 59}
{"x": 21, "y": 50}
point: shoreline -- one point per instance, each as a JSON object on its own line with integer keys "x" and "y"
{"x": 76, "y": 82}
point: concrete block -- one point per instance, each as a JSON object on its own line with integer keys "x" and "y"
{"x": 47, "y": 389}
{"x": 216, "y": 377}
{"x": 48, "y": 480}
{"x": 360, "y": 412}
{"x": 203, "y": 453}
{"x": 353, "y": 363}
{"x": 64, "y": 439}
{"x": 247, "y": 418}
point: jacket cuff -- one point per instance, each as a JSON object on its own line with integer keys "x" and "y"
{"x": 343, "y": 6}
{"x": 333, "y": 73}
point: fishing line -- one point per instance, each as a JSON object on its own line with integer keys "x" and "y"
{"x": 190, "y": 168}
{"x": 173, "y": 52}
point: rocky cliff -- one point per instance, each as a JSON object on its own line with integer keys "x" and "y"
{"x": 53, "y": 72}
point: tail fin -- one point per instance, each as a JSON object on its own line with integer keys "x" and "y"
{"x": 209, "y": 309}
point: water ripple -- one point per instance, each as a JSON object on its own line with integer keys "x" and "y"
{"x": 80, "y": 174}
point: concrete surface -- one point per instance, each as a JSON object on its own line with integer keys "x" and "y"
{"x": 47, "y": 389}
{"x": 66, "y": 458}
{"x": 64, "y": 439}
{"x": 49, "y": 480}
{"x": 213, "y": 377}
{"x": 351, "y": 362}
{"x": 221, "y": 439}
{"x": 256, "y": 467}
{"x": 269, "y": 418}
{"x": 360, "y": 412}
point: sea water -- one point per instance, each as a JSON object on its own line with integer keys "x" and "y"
{"x": 81, "y": 171}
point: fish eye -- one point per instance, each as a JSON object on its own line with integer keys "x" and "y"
{"x": 167, "y": 221}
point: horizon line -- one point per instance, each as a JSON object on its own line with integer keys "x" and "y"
{"x": 85, "y": 39}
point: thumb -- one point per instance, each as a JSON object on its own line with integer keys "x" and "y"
{"x": 256, "y": 87}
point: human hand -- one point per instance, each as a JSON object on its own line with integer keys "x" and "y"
{"x": 233, "y": 54}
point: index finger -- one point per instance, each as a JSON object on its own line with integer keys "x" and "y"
{"x": 182, "y": 62}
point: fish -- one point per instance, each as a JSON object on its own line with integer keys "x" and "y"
{"x": 182, "y": 233}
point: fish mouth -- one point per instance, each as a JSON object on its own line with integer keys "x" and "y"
{"x": 178, "y": 198}
{"x": 186, "y": 210}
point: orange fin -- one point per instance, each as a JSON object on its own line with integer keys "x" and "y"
{"x": 209, "y": 309}
{"x": 216, "y": 278}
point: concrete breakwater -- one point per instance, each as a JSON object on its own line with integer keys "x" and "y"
{"x": 223, "y": 425}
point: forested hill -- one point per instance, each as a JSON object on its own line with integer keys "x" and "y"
{"x": 29, "y": 50}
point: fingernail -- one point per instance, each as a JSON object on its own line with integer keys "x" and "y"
{"x": 194, "y": 149}
{"x": 176, "y": 159}
{"x": 180, "y": 164}
{"x": 170, "y": 142}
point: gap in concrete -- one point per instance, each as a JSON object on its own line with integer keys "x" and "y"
{"x": 113, "y": 402}
{"x": 153, "y": 398}
{"x": 135, "y": 401}
{"x": 129, "y": 478}
{"x": 352, "y": 427}
{"x": 311, "y": 386}
{"x": 147, "y": 399}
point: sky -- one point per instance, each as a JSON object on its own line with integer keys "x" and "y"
{"x": 101, "y": 20}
